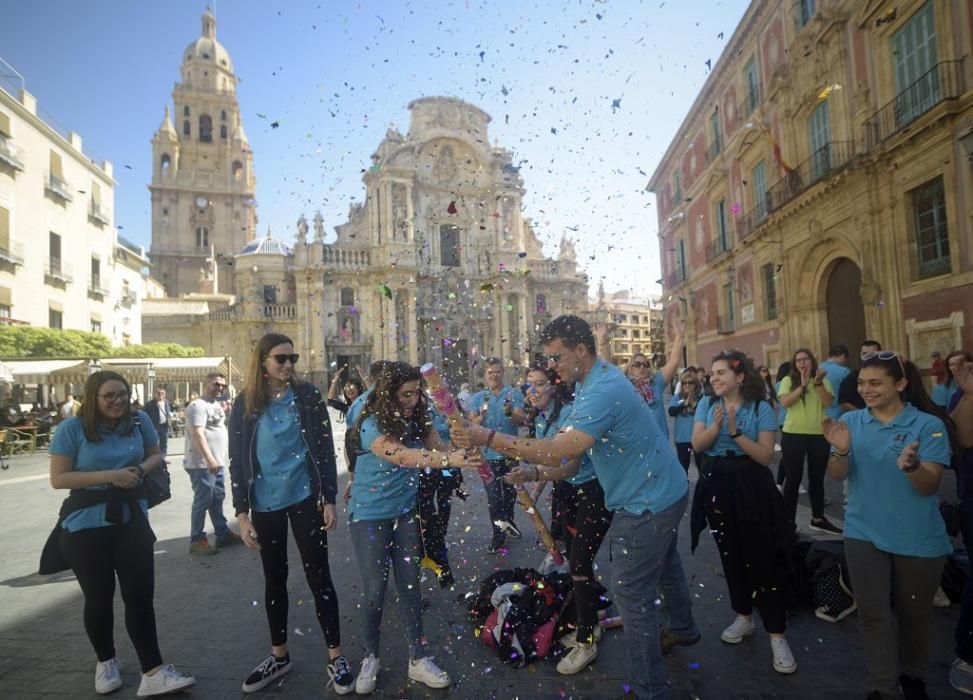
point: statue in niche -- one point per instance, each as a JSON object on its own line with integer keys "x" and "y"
{"x": 318, "y": 228}
{"x": 445, "y": 167}
{"x": 400, "y": 213}
{"x": 302, "y": 230}
{"x": 485, "y": 262}
{"x": 507, "y": 217}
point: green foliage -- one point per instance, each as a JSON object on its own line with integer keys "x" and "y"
{"x": 51, "y": 343}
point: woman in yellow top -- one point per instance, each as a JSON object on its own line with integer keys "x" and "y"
{"x": 805, "y": 392}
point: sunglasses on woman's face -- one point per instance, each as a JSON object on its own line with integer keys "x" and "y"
{"x": 640, "y": 365}
{"x": 282, "y": 359}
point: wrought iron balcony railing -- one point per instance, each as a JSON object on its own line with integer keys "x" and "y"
{"x": 58, "y": 187}
{"x": 726, "y": 324}
{"x": 10, "y": 153}
{"x": 57, "y": 270}
{"x": 823, "y": 163}
{"x": 12, "y": 252}
{"x": 98, "y": 212}
{"x": 720, "y": 245}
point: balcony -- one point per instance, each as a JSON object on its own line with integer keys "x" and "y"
{"x": 348, "y": 339}
{"x": 344, "y": 258}
{"x": 726, "y": 325}
{"x": 675, "y": 277}
{"x": 10, "y": 153}
{"x": 823, "y": 163}
{"x": 7, "y": 321}
{"x": 128, "y": 299}
{"x": 12, "y": 253}
{"x": 98, "y": 213}
{"x": 95, "y": 291}
{"x": 942, "y": 82}
{"x": 719, "y": 246}
{"x": 282, "y": 312}
{"x": 748, "y": 106}
{"x": 57, "y": 273}
{"x": 750, "y": 222}
{"x": 58, "y": 187}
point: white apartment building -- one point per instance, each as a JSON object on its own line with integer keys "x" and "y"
{"x": 62, "y": 263}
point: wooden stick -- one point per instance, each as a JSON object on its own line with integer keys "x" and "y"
{"x": 447, "y": 405}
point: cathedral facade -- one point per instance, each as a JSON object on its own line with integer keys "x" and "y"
{"x": 437, "y": 265}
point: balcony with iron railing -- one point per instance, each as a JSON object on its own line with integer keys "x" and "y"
{"x": 749, "y": 105}
{"x": 58, "y": 187}
{"x": 57, "y": 272}
{"x": 95, "y": 290}
{"x": 675, "y": 277}
{"x": 719, "y": 246}
{"x": 751, "y": 221}
{"x": 11, "y": 153}
{"x": 823, "y": 164}
{"x": 12, "y": 253}
{"x": 714, "y": 150}
{"x": 944, "y": 81}
{"x": 98, "y": 213}
{"x": 726, "y": 324}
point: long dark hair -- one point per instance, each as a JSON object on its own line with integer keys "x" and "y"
{"x": 752, "y": 386}
{"x": 383, "y": 403}
{"x": 563, "y": 394}
{"x": 915, "y": 391}
{"x": 795, "y": 374}
{"x": 90, "y": 414}
{"x": 770, "y": 390}
{"x": 256, "y": 390}
{"x": 968, "y": 356}
{"x": 782, "y": 371}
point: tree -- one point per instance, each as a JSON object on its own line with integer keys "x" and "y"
{"x": 53, "y": 343}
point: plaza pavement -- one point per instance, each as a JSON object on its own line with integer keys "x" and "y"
{"x": 211, "y": 620}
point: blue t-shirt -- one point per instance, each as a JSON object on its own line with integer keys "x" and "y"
{"x": 495, "y": 418}
{"x": 942, "y": 394}
{"x": 634, "y": 462}
{"x": 883, "y": 508}
{"x": 356, "y": 407}
{"x": 764, "y": 422}
{"x": 546, "y": 429}
{"x": 781, "y": 408}
{"x": 118, "y": 449}
{"x": 682, "y": 423}
{"x": 836, "y": 375}
{"x": 658, "y": 402}
{"x": 381, "y": 490}
{"x": 283, "y": 478}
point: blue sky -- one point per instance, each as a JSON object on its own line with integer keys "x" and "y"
{"x": 334, "y": 75}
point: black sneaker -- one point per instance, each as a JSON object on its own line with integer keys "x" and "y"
{"x": 266, "y": 672}
{"x": 509, "y": 529}
{"x": 824, "y": 525}
{"x": 446, "y": 579}
{"x": 340, "y": 677}
{"x": 669, "y": 641}
{"x": 913, "y": 688}
{"x": 499, "y": 539}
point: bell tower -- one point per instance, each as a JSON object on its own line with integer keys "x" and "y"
{"x": 203, "y": 186}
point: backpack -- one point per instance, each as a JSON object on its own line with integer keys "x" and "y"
{"x": 353, "y": 446}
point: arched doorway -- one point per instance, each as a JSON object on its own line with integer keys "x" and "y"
{"x": 846, "y": 311}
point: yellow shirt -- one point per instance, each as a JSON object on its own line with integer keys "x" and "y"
{"x": 805, "y": 415}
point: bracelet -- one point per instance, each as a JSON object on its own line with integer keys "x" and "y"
{"x": 835, "y": 453}
{"x": 537, "y": 472}
{"x": 818, "y": 383}
{"x": 490, "y": 437}
{"x": 445, "y": 460}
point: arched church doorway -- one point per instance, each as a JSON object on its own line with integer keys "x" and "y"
{"x": 846, "y": 311}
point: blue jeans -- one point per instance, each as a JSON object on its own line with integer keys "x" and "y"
{"x": 644, "y": 560}
{"x": 379, "y": 545}
{"x": 208, "y": 495}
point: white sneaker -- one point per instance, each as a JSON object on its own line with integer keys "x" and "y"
{"x": 783, "y": 658}
{"x": 166, "y": 680}
{"x": 108, "y": 676}
{"x": 365, "y": 683}
{"x": 426, "y": 671}
{"x": 741, "y": 628}
{"x": 961, "y": 677}
{"x": 570, "y": 640}
{"x": 941, "y": 600}
{"x": 577, "y": 659}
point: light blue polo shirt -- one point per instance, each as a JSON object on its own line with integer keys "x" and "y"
{"x": 634, "y": 462}
{"x": 764, "y": 422}
{"x": 682, "y": 424}
{"x": 545, "y": 429}
{"x": 118, "y": 449}
{"x": 381, "y": 490}
{"x": 356, "y": 408}
{"x": 943, "y": 393}
{"x": 495, "y": 418}
{"x": 283, "y": 477}
{"x": 883, "y": 508}
{"x": 658, "y": 402}
{"x": 836, "y": 375}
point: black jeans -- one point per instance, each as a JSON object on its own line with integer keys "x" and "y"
{"x": 96, "y": 556}
{"x": 584, "y": 526}
{"x": 500, "y": 494}
{"x": 435, "y": 506}
{"x": 794, "y": 448}
{"x": 307, "y": 524}
{"x": 684, "y": 451}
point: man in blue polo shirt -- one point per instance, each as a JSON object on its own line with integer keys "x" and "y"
{"x": 501, "y": 409}
{"x": 837, "y": 368}
{"x": 644, "y": 485}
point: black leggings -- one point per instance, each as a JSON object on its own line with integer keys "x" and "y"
{"x": 96, "y": 556}
{"x": 794, "y": 447}
{"x": 307, "y": 524}
{"x": 435, "y": 496}
{"x": 684, "y": 451}
{"x": 584, "y": 524}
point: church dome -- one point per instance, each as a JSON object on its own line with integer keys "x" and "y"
{"x": 268, "y": 245}
{"x": 207, "y": 49}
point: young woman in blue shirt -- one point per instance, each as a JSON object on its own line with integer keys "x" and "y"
{"x": 893, "y": 453}
{"x": 282, "y": 469}
{"x": 102, "y": 455}
{"x": 395, "y": 437}
{"x": 735, "y": 432}
{"x": 581, "y": 509}
{"x": 683, "y": 410}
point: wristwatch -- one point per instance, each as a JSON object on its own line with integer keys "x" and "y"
{"x": 736, "y": 434}
{"x": 445, "y": 460}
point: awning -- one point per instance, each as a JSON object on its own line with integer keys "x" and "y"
{"x": 6, "y": 376}
{"x": 48, "y": 371}
{"x": 171, "y": 369}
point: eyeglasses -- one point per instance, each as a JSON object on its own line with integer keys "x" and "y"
{"x": 884, "y": 356}
{"x": 641, "y": 365}
{"x": 282, "y": 359}
{"x": 114, "y": 396}
{"x": 689, "y": 383}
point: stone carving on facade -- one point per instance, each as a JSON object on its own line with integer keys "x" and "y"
{"x": 302, "y": 229}
{"x": 400, "y": 213}
{"x": 568, "y": 252}
{"x": 318, "y": 228}
{"x": 445, "y": 167}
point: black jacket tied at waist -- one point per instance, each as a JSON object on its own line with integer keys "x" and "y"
{"x": 52, "y": 559}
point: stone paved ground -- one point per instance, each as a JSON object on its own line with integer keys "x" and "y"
{"x": 211, "y": 622}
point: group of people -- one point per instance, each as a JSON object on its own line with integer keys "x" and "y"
{"x": 600, "y": 434}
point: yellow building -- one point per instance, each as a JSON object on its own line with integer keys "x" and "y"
{"x": 820, "y": 189}
{"x": 638, "y": 325}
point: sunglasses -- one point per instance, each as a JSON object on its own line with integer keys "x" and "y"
{"x": 884, "y": 356}
{"x": 282, "y": 359}
{"x": 641, "y": 365}
{"x": 114, "y": 396}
